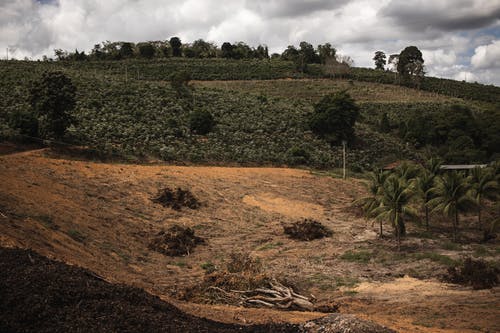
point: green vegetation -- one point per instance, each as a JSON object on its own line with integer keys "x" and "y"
{"x": 77, "y": 235}
{"x": 128, "y": 109}
{"x": 334, "y": 118}
{"x": 52, "y": 99}
{"x": 392, "y": 196}
{"x": 357, "y": 256}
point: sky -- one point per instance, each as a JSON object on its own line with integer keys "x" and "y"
{"x": 459, "y": 39}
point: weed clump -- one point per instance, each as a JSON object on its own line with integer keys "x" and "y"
{"x": 176, "y": 241}
{"x": 477, "y": 273}
{"x": 307, "y": 230}
{"x": 176, "y": 199}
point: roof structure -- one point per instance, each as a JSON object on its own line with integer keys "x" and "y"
{"x": 462, "y": 166}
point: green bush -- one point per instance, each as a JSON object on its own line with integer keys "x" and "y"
{"x": 334, "y": 117}
{"x": 201, "y": 122}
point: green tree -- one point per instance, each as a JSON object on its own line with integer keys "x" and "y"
{"x": 396, "y": 195}
{"x": 227, "y": 50}
{"x": 423, "y": 185}
{"x": 450, "y": 197}
{"x": 483, "y": 186}
{"x": 334, "y": 117}
{"x": 147, "y": 50}
{"x": 201, "y": 122}
{"x": 370, "y": 203}
{"x": 380, "y": 60}
{"x": 411, "y": 64}
{"x": 179, "y": 81}
{"x": 126, "y": 50}
{"x": 176, "y": 44}
{"x": 384, "y": 124}
{"x": 52, "y": 98}
{"x": 326, "y": 51}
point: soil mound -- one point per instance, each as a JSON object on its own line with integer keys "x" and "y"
{"x": 477, "y": 273}
{"x": 307, "y": 230}
{"x": 176, "y": 241}
{"x": 42, "y": 295}
{"x": 176, "y": 199}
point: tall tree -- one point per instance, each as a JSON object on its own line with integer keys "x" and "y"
{"x": 227, "y": 50}
{"x": 423, "y": 185}
{"x": 450, "y": 197}
{"x": 483, "y": 186}
{"x": 370, "y": 203}
{"x": 411, "y": 64}
{"x": 396, "y": 195}
{"x": 146, "y": 50}
{"x": 380, "y": 60}
{"x": 126, "y": 50}
{"x": 326, "y": 51}
{"x": 52, "y": 98}
{"x": 334, "y": 117}
{"x": 176, "y": 44}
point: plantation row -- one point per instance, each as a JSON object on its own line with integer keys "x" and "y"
{"x": 227, "y": 69}
{"x": 148, "y": 118}
{"x": 460, "y": 89}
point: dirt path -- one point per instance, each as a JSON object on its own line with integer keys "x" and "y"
{"x": 100, "y": 216}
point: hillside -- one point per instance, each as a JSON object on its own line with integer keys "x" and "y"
{"x": 101, "y": 217}
{"x": 128, "y": 109}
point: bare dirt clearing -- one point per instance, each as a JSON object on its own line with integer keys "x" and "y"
{"x": 100, "y": 217}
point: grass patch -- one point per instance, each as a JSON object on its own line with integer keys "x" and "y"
{"x": 346, "y": 281}
{"x": 436, "y": 257}
{"x": 180, "y": 264}
{"x": 451, "y": 246}
{"x": 356, "y": 256}
{"x": 208, "y": 267}
{"x": 269, "y": 246}
{"x": 48, "y": 222}
{"x": 77, "y": 235}
{"x": 481, "y": 251}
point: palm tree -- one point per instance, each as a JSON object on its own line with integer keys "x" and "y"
{"x": 433, "y": 165}
{"x": 407, "y": 171}
{"x": 483, "y": 186}
{"x": 451, "y": 197}
{"x": 423, "y": 185}
{"x": 393, "y": 204}
{"x": 370, "y": 203}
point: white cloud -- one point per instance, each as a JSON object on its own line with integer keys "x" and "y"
{"x": 487, "y": 56}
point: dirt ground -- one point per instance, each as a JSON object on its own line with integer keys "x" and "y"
{"x": 100, "y": 216}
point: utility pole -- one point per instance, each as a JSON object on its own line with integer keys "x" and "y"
{"x": 343, "y": 158}
{"x": 7, "y": 53}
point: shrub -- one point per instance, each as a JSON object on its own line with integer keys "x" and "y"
{"x": 201, "y": 122}
{"x": 298, "y": 156}
{"x": 478, "y": 273}
{"x": 334, "y": 117}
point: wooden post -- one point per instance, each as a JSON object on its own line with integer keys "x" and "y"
{"x": 343, "y": 155}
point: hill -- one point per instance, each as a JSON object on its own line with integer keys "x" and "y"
{"x": 127, "y": 108}
{"x": 101, "y": 217}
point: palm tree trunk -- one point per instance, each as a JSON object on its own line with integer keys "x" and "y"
{"x": 455, "y": 226}
{"x": 427, "y": 217}
{"x": 479, "y": 216}
{"x": 398, "y": 233}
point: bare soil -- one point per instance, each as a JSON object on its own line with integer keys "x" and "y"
{"x": 100, "y": 217}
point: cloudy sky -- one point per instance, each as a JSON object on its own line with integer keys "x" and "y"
{"x": 459, "y": 39}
